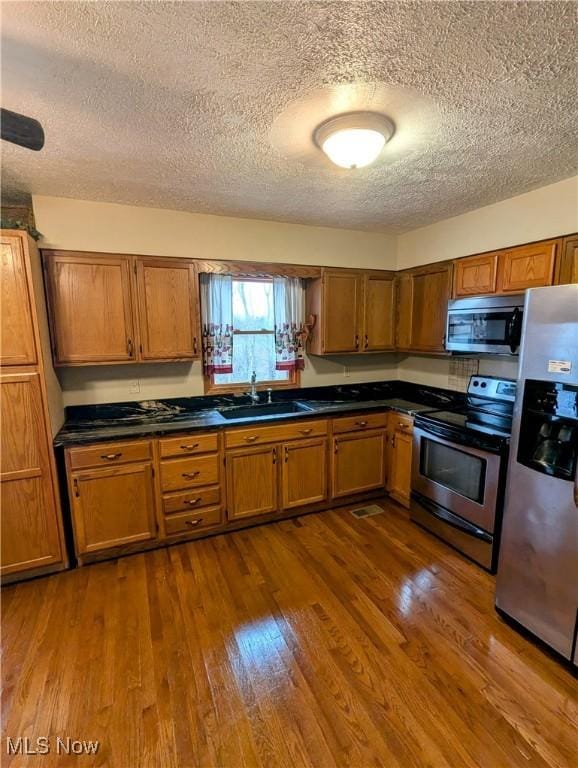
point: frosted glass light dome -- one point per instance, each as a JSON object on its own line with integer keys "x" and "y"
{"x": 354, "y": 140}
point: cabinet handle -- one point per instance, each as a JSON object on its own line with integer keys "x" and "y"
{"x": 191, "y": 474}
{"x": 195, "y": 348}
{"x": 286, "y": 454}
{"x": 129, "y": 348}
{"x": 393, "y": 440}
{"x": 192, "y": 502}
{"x": 356, "y": 342}
{"x": 361, "y": 423}
{"x": 274, "y": 455}
{"x": 306, "y": 431}
{"x": 251, "y": 438}
{"x": 335, "y": 447}
{"x": 76, "y": 490}
{"x": 366, "y": 341}
{"x": 189, "y": 447}
{"x": 111, "y": 456}
{"x": 194, "y": 523}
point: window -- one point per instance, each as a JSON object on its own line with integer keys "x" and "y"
{"x": 254, "y": 338}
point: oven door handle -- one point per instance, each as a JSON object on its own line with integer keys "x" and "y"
{"x": 513, "y": 330}
{"x": 447, "y": 517}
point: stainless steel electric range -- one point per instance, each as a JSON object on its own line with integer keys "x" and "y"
{"x": 459, "y": 467}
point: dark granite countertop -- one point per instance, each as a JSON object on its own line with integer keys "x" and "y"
{"x": 117, "y": 421}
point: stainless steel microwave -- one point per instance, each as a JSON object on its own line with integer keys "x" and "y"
{"x": 491, "y": 324}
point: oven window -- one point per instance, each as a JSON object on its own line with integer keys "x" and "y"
{"x": 456, "y": 470}
{"x": 478, "y": 327}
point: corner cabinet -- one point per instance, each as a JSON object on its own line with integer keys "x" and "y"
{"x": 355, "y": 312}
{"x": 422, "y": 303}
{"x": 120, "y": 309}
{"x": 399, "y": 460}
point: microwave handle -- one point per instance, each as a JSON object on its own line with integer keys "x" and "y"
{"x": 513, "y": 330}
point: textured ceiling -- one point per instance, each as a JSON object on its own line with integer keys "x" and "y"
{"x": 209, "y": 106}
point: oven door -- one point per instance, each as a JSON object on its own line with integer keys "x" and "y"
{"x": 460, "y": 478}
{"x": 490, "y": 329}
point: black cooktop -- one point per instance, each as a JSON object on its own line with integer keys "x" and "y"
{"x": 474, "y": 420}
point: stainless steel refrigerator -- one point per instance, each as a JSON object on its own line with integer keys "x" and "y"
{"x": 537, "y": 580}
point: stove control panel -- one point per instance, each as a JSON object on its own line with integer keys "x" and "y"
{"x": 492, "y": 388}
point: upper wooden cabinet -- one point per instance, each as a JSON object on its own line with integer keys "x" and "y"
{"x": 18, "y": 345}
{"x": 120, "y": 309}
{"x": 568, "y": 269}
{"x": 511, "y": 270}
{"x": 355, "y": 312}
{"x": 475, "y": 275}
{"x": 167, "y": 309}
{"x": 91, "y": 308}
{"x": 530, "y": 266}
{"x": 422, "y": 303}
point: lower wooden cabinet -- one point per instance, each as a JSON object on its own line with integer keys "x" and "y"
{"x": 358, "y": 463}
{"x": 303, "y": 473}
{"x": 252, "y": 481}
{"x": 113, "y": 507}
{"x": 400, "y": 447}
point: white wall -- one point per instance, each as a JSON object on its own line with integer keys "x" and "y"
{"x": 546, "y": 212}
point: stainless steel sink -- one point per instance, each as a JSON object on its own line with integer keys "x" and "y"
{"x": 263, "y": 409}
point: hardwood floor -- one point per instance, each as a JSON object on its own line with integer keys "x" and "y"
{"x": 318, "y": 641}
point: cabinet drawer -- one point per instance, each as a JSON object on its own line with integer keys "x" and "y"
{"x": 399, "y": 421}
{"x": 188, "y": 473}
{"x": 193, "y": 521}
{"x": 353, "y": 423}
{"x": 278, "y": 433}
{"x": 107, "y": 454}
{"x": 187, "y": 500}
{"x": 188, "y": 445}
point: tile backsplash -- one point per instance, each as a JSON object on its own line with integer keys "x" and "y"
{"x": 461, "y": 368}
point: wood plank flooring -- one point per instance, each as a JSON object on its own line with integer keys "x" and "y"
{"x": 319, "y": 641}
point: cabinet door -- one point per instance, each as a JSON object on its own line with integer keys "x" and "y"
{"x": 167, "y": 309}
{"x": 530, "y": 266}
{"x": 430, "y": 295}
{"x": 358, "y": 462}
{"x": 18, "y": 347}
{"x": 90, "y": 308}
{"x": 30, "y": 524}
{"x": 404, "y": 304}
{"x": 400, "y": 455}
{"x": 342, "y": 295}
{"x": 378, "y": 313}
{"x": 569, "y": 261}
{"x": 475, "y": 275}
{"x": 112, "y": 507}
{"x": 251, "y": 481}
{"x": 304, "y": 472}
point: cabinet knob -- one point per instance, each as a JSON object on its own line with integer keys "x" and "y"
{"x": 111, "y": 456}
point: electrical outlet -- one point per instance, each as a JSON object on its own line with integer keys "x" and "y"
{"x": 134, "y": 387}
{"x": 346, "y": 371}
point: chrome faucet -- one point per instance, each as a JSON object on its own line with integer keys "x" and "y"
{"x": 253, "y": 394}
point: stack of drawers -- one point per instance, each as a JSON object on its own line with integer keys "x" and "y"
{"x": 190, "y": 480}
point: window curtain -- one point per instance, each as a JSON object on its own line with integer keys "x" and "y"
{"x": 289, "y": 309}
{"x": 217, "y": 320}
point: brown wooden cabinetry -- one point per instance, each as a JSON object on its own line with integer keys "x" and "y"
{"x": 422, "y": 296}
{"x": 167, "y": 309}
{"x": 303, "y": 472}
{"x": 32, "y": 540}
{"x": 400, "y": 430}
{"x": 358, "y": 462}
{"x": 475, "y": 275}
{"x": 252, "y": 481}
{"x": 568, "y": 268}
{"x": 355, "y": 311}
{"x": 121, "y": 309}
{"x": 529, "y": 266}
{"x": 113, "y": 507}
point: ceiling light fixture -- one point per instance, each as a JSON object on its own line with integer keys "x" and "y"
{"x": 355, "y": 139}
